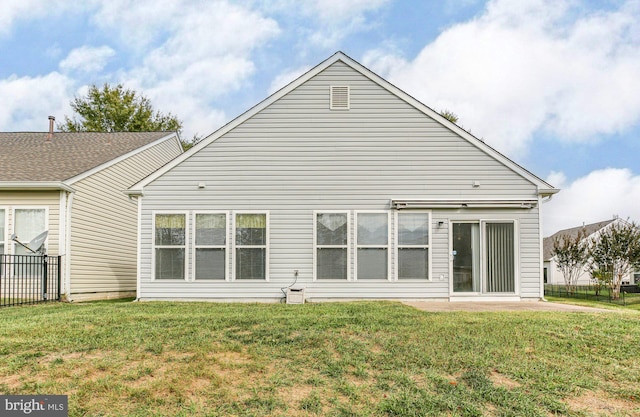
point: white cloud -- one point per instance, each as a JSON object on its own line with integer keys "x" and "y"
{"x": 339, "y": 18}
{"x": 592, "y": 198}
{"x": 12, "y": 11}
{"x": 340, "y": 10}
{"x": 139, "y": 23}
{"x": 326, "y": 22}
{"x": 286, "y": 77}
{"x": 537, "y": 65}
{"x": 87, "y": 59}
{"x": 33, "y": 99}
{"x": 192, "y": 53}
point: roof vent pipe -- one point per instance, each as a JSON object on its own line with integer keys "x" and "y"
{"x": 50, "y": 135}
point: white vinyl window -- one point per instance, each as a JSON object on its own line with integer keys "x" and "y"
{"x": 331, "y": 241}
{"x": 372, "y": 245}
{"x": 3, "y": 230}
{"x": 170, "y": 237}
{"x": 413, "y": 239}
{"x": 251, "y": 246}
{"x": 28, "y": 223}
{"x": 210, "y": 246}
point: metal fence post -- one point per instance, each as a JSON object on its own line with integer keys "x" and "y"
{"x": 59, "y": 276}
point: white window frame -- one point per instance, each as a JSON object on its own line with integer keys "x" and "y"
{"x": 3, "y": 237}
{"x": 196, "y": 246}
{"x": 483, "y": 258}
{"x": 359, "y": 246}
{"x": 398, "y": 246}
{"x": 235, "y": 246}
{"x": 185, "y": 246}
{"x": 12, "y": 246}
{"x": 316, "y": 246}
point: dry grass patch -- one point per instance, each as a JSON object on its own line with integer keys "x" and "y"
{"x": 502, "y": 380}
{"x": 599, "y": 403}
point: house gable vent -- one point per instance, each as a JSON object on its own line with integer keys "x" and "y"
{"x": 339, "y": 98}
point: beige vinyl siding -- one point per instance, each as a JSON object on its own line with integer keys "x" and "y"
{"x": 10, "y": 200}
{"x": 104, "y": 223}
{"x": 296, "y": 156}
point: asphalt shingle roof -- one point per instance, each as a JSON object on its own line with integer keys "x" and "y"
{"x": 29, "y": 156}
{"x": 589, "y": 229}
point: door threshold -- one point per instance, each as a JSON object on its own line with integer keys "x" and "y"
{"x": 484, "y": 298}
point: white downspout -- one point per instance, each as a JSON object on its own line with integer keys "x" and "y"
{"x": 541, "y": 238}
{"x": 138, "y": 248}
{"x": 67, "y": 254}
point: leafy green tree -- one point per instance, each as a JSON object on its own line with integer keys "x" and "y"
{"x": 572, "y": 256}
{"x": 615, "y": 253}
{"x": 116, "y": 109}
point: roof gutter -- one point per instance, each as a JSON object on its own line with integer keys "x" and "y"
{"x": 134, "y": 193}
{"x": 35, "y": 186}
{"x": 548, "y": 192}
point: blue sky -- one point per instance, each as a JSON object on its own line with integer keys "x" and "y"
{"x": 554, "y": 85}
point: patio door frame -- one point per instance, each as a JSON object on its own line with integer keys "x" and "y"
{"x": 482, "y": 253}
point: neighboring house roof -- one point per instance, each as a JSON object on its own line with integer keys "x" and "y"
{"x": 571, "y": 233}
{"x": 544, "y": 188}
{"x": 31, "y": 158}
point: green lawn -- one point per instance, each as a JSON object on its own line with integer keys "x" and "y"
{"x": 341, "y": 359}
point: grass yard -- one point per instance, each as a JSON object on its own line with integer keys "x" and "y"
{"x": 340, "y": 359}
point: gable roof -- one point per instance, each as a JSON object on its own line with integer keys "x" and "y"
{"x": 31, "y": 158}
{"x": 571, "y": 233}
{"x": 544, "y": 188}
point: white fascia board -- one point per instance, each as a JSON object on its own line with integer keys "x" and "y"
{"x": 547, "y": 192}
{"x": 134, "y": 193}
{"x": 121, "y": 158}
{"x": 35, "y": 186}
{"x": 523, "y": 203}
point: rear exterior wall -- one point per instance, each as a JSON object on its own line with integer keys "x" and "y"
{"x": 297, "y": 156}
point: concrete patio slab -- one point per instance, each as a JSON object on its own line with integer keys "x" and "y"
{"x": 443, "y": 306}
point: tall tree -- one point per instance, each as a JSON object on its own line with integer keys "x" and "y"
{"x": 116, "y": 109}
{"x": 572, "y": 256}
{"x": 615, "y": 253}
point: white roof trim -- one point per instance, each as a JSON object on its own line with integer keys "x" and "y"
{"x": 35, "y": 186}
{"x": 544, "y": 189}
{"x": 121, "y": 158}
{"x": 134, "y": 193}
{"x": 402, "y": 204}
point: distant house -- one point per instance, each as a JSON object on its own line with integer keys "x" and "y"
{"x": 341, "y": 185}
{"x": 551, "y": 273}
{"x": 71, "y": 184}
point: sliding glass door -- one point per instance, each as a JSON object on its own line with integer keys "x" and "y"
{"x": 499, "y": 258}
{"x": 483, "y": 257}
{"x": 466, "y": 257}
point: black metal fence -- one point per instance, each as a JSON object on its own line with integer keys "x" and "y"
{"x": 591, "y": 292}
{"x": 29, "y": 279}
